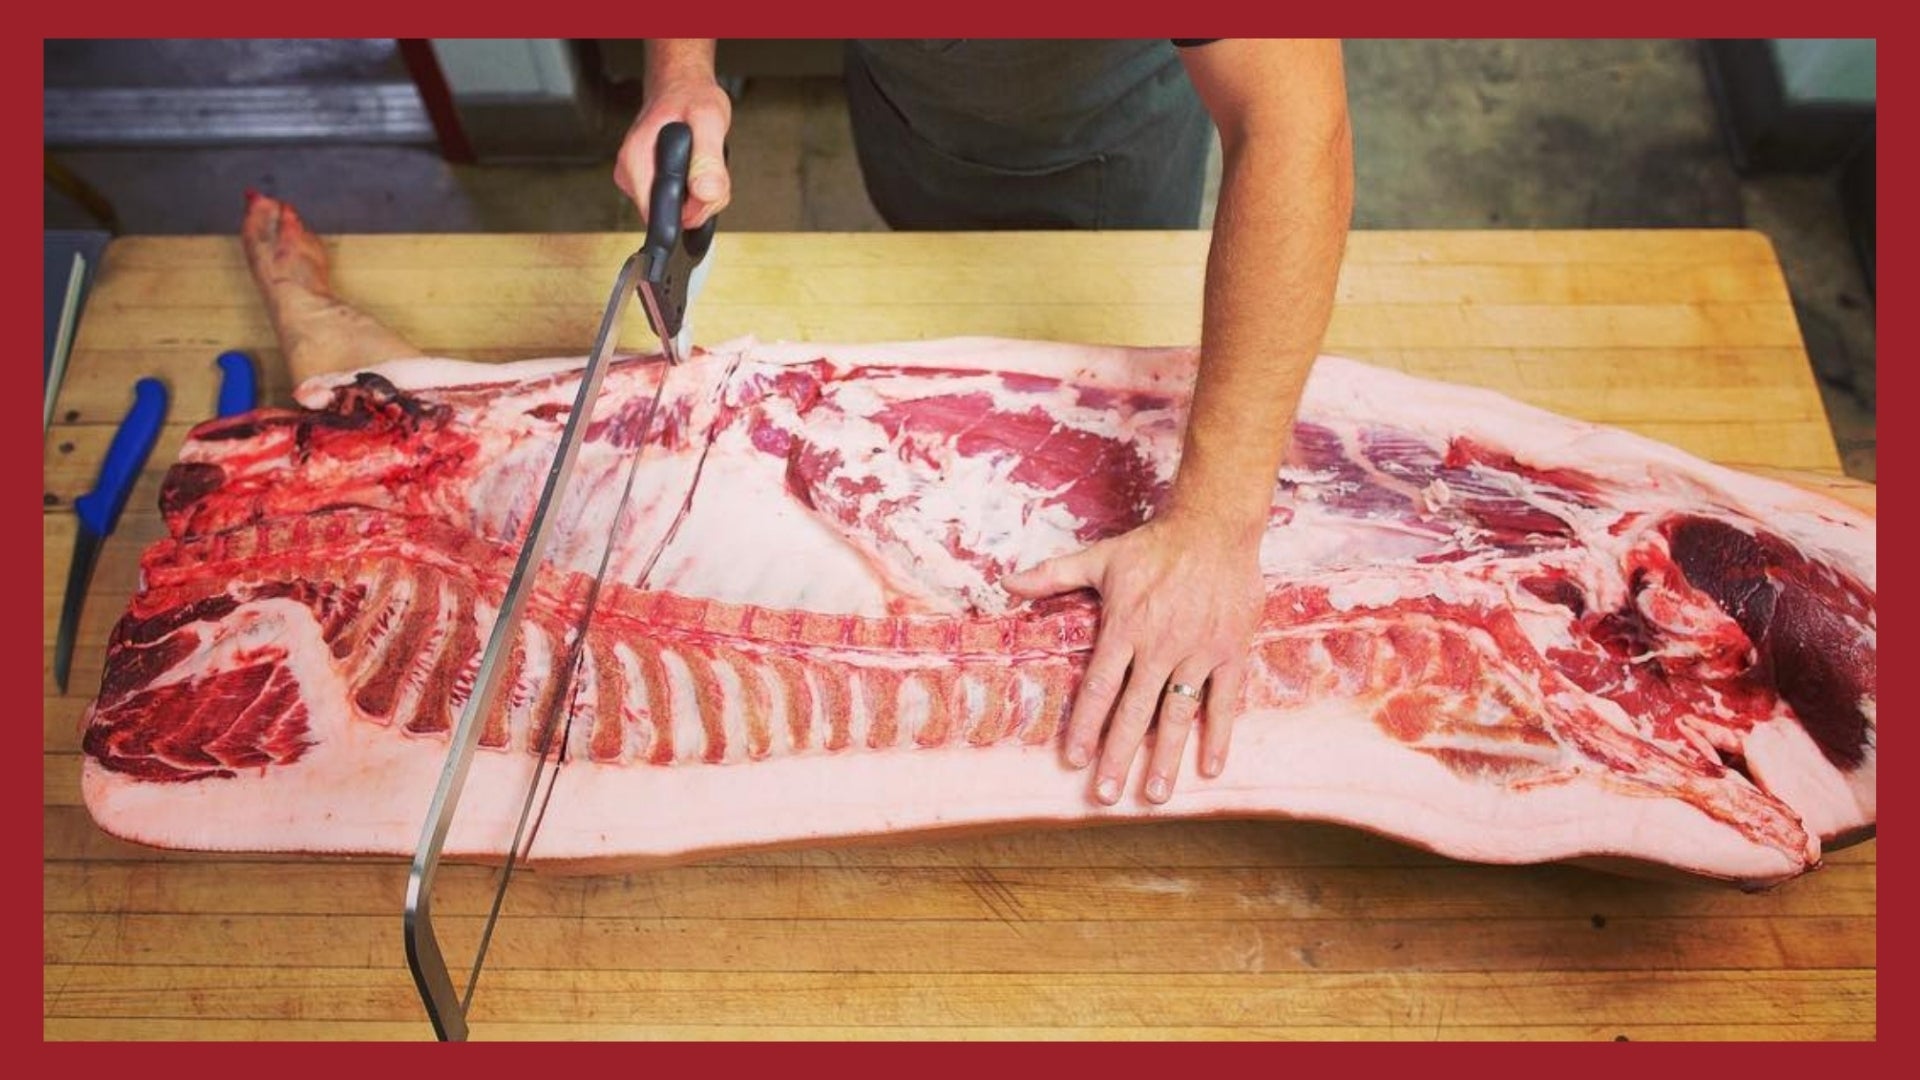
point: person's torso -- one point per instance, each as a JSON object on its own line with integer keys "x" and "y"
{"x": 979, "y": 98}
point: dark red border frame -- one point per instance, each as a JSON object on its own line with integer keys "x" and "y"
{"x": 23, "y": 897}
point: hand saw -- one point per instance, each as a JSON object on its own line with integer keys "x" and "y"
{"x": 665, "y": 273}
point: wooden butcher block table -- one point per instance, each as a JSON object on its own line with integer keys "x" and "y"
{"x": 1171, "y": 930}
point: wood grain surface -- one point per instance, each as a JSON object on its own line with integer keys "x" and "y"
{"x": 1218, "y": 930}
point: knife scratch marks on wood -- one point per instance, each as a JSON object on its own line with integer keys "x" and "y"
{"x": 95, "y": 924}
{"x": 1781, "y": 953}
{"x": 994, "y": 893}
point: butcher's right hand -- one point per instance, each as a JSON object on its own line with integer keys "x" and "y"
{"x": 697, "y": 99}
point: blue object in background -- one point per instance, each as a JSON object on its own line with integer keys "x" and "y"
{"x": 99, "y": 509}
{"x": 238, "y": 392}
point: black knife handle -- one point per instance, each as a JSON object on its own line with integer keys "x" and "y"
{"x": 702, "y": 238}
{"x": 672, "y": 158}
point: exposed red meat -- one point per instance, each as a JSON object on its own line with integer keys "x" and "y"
{"x": 1490, "y": 631}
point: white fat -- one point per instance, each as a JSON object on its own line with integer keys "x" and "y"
{"x": 860, "y": 708}
{"x": 933, "y": 499}
{"x": 1784, "y": 758}
{"x": 1706, "y": 737}
{"x": 1366, "y": 592}
{"x": 1317, "y": 539}
{"x": 237, "y": 641}
{"x": 916, "y": 710}
{"x": 1487, "y": 710}
{"x": 973, "y": 706}
{"x": 1304, "y": 476}
{"x": 780, "y": 710}
{"x": 748, "y": 542}
{"x": 1031, "y": 692}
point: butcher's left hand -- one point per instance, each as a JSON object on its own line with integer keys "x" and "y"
{"x": 1179, "y": 604}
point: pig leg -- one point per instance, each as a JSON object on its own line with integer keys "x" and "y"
{"x": 319, "y": 332}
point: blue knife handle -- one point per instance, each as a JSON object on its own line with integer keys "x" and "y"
{"x": 237, "y": 392}
{"x": 100, "y": 508}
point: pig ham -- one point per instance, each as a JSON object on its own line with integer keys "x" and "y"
{"x": 1489, "y": 631}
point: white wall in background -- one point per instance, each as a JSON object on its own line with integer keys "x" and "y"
{"x": 1837, "y": 70}
{"x": 507, "y": 67}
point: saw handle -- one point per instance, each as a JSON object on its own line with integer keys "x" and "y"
{"x": 701, "y": 238}
{"x": 672, "y": 158}
{"x": 100, "y": 508}
{"x": 672, "y": 161}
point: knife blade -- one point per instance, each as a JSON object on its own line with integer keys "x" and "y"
{"x": 99, "y": 509}
{"x": 665, "y": 273}
{"x": 447, "y": 1008}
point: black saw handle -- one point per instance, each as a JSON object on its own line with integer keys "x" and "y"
{"x": 672, "y": 161}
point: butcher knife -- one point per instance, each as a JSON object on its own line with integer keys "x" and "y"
{"x": 99, "y": 510}
{"x": 661, "y": 273}
{"x": 238, "y": 386}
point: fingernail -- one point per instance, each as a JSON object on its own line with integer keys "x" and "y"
{"x": 1214, "y": 765}
{"x": 1108, "y": 791}
{"x": 1077, "y": 756}
{"x": 1157, "y": 789}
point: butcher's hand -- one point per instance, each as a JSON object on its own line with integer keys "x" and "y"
{"x": 680, "y": 86}
{"x": 1179, "y": 604}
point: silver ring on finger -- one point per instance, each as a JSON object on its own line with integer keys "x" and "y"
{"x": 1183, "y": 690}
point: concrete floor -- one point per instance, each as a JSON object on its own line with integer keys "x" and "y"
{"x": 1477, "y": 134}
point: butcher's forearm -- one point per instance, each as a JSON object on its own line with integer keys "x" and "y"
{"x": 1278, "y": 237}
{"x": 672, "y": 59}
{"x": 680, "y": 89}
